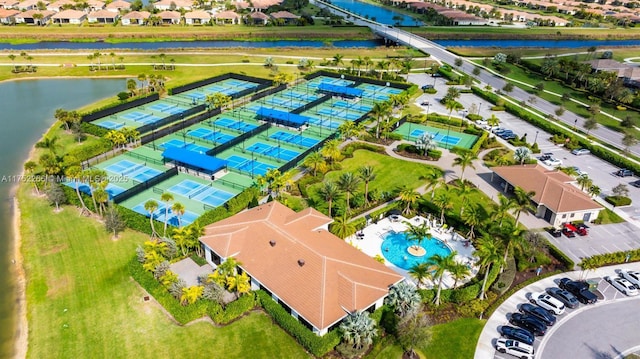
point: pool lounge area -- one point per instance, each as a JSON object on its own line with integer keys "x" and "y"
{"x": 385, "y": 238}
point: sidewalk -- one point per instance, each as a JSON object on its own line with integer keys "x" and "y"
{"x": 485, "y": 349}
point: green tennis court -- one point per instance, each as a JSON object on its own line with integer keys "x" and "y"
{"x": 445, "y": 137}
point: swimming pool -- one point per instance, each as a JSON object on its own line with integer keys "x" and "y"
{"x": 395, "y": 244}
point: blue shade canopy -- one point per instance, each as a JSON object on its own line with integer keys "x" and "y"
{"x": 289, "y": 119}
{"x": 194, "y": 159}
{"x": 340, "y": 90}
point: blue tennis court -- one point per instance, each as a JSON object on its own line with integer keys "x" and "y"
{"x": 450, "y": 140}
{"x": 123, "y": 167}
{"x": 111, "y": 189}
{"x": 297, "y": 139}
{"x": 213, "y": 196}
{"x": 273, "y": 151}
{"x": 185, "y": 187}
{"x": 329, "y": 112}
{"x": 136, "y": 116}
{"x": 144, "y": 174}
{"x": 325, "y": 123}
{"x": 111, "y": 125}
{"x": 235, "y": 125}
{"x": 249, "y": 165}
{"x": 181, "y": 144}
{"x": 215, "y": 136}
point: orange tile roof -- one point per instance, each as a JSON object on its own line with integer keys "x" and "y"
{"x": 335, "y": 277}
{"x": 552, "y": 187}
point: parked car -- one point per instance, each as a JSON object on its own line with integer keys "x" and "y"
{"x": 519, "y": 334}
{"x": 635, "y": 183}
{"x": 529, "y": 323}
{"x": 578, "y": 171}
{"x": 427, "y": 87}
{"x": 569, "y": 300}
{"x": 500, "y": 130}
{"x": 580, "y": 151}
{"x": 544, "y": 315}
{"x": 545, "y": 156}
{"x": 508, "y": 136}
{"x": 547, "y": 302}
{"x": 582, "y": 229}
{"x": 568, "y": 232}
{"x": 555, "y": 232}
{"x": 580, "y": 289}
{"x": 623, "y": 172}
{"x": 632, "y": 276}
{"x": 515, "y": 348}
{"x": 623, "y": 285}
{"x": 552, "y": 162}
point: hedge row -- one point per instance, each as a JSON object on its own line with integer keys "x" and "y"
{"x": 137, "y": 221}
{"x": 600, "y": 260}
{"x": 233, "y": 310}
{"x": 93, "y": 129}
{"x": 492, "y": 308}
{"x": 618, "y": 200}
{"x": 480, "y": 142}
{"x": 315, "y": 344}
{"x": 88, "y": 151}
{"x": 349, "y": 149}
{"x": 568, "y": 262}
{"x": 547, "y": 126}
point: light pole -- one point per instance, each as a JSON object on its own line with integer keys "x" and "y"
{"x": 479, "y": 108}
{"x": 575, "y": 125}
{"x": 535, "y": 139}
{"x": 252, "y": 164}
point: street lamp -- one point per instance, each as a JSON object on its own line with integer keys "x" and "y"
{"x": 479, "y": 108}
{"x": 535, "y": 140}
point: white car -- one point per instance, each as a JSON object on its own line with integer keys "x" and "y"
{"x": 580, "y": 151}
{"x": 547, "y": 302}
{"x": 623, "y": 285}
{"x": 515, "y": 348}
{"x": 554, "y": 162}
{"x": 632, "y": 276}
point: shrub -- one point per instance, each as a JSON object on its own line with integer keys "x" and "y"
{"x": 233, "y": 310}
{"x": 122, "y": 96}
{"x": 434, "y": 154}
{"x": 474, "y": 117}
{"x": 466, "y": 293}
{"x": 618, "y": 200}
{"x": 134, "y": 220}
{"x": 305, "y": 182}
{"x": 90, "y": 150}
{"x": 213, "y": 215}
{"x": 317, "y": 345}
{"x": 559, "y": 255}
{"x": 497, "y": 108}
{"x": 600, "y": 260}
{"x": 491, "y": 308}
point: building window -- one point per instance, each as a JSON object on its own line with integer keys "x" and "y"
{"x": 572, "y": 214}
{"x": 564, "y": 215}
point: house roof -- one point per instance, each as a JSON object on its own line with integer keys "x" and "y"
{"x": 5, "y": 13}
{"x": 197, "y": 14}
{"x": 259, "y": 15}
{"x": 60, "y": 3}
{"x": 552, "y": 188}
{"x": 606, "y": 64}
{"x": 241, "y": 5}
{"x": 29, "y": 13}
{"x": 169, "y": 15}
{"x": 103, "y": 14}
{"x": 179, "y": 3}
{"x": 317, "y": 274}
{"x": 96, "y": 3}
{"x": 119, "y": 4}
{"x": 140, "y": 15}
{"x": 9, "y": 3}
{"x": 230, "y": 15}
{"x": 30, "y": 3}
{"x": 69, "y": 14}
{"x": 284, "y": 15}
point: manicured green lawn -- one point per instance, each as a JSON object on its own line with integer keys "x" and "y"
{"x": 83, "y": 304}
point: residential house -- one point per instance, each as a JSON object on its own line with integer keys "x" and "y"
{"x": 9, "y": 4}
{"x": 556, "y": 199}
{"x": 241, "y": 5}
{"x": 75, "y": 17}
{"x": 118, "y": 6}
{"x": 169, "y": 17}
{"x": 317, "y": 277}
{"x": 31, "y": 4}
{"x": 285, "y": 17}
{"x": 95, "y": 5}
{"x": 103, "y": 17}
{"x": 173, "y": 5}
{"x": 135, "y": 18}
{"x": 227, "y": 17}
{"x": 8, "y": 16}
{"x": 34, "y": 17}
{"x": 630, "y": 74}
{"x": 258, "y": 18}
{"x": 58, "y": 6}
{"x": 197, "y": 17}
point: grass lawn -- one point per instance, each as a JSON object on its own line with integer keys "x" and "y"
{"x": 83, "y": 304}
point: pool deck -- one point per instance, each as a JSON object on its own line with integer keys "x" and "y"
{"x": 371, "y": 244}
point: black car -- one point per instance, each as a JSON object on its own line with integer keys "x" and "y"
{"x": 580, "y": 289}
{"x": 427, "y": 87}
{"x": 635, "y": 184}
{"x": 547, "y": 318}
{"x": 555, "y": 232}
{"x": 510, "y": 136}
{"x": 528, "y": 322}
{"x": 623, "y": 172}
{"x": 565, "y": 297}
{"x": 518, "y": 334}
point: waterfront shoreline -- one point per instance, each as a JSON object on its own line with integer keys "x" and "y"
{"x": 22, "y": 324}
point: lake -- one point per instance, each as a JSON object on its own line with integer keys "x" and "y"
{"x": 377, "y": 13}
{"x": 28, "y": 108}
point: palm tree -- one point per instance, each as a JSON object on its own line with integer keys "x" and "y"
{"x": 442, "y": 265}
{"x": 409, "y": 197}
{"x": 511, "y": 237}
{"x": 349, "y": 184}
{"x": 434, "y": 178}
{"x": 142, "y": 78}
{"x": 341, "y": 227}
{"x": 358, "y": 330}
{"x": 380, "y": 110}
{"x": 50, "y": 143}
{"x": 178, "y": 209}
{"x": 331, "y": 150}
{"x": 473, "y": 217}
{"x": 594, "y": 191}
{"x": 315, "y": 162}
{"x": 584, "y": 181}
{"x": 443, "y": 200}
{"x": 501, "y": 209}
{"x": 416, "y": 233}
{"x": 522, "y": 154}
{"x": 426, "y": 142}
{"x": 459, "y": 271}
{"x": 166, "y": 197}
{"x": 465, "y": 159}
{"x": 337, "y": 59}
{"x": 29, "y": 168}
{"x": 489, "y": 251}
{"x": 522, "y": 202}
{"x": 463, "y": 191}
{"x": 75, "y": 173}
{"x": 367, "y": 175}
{"x": 329, "y": 191}
{"x": 404, "y": 298}
{"x": 420, "y": 272}
{"x": 151, "y": 206}
{"x": 181, "y": 238}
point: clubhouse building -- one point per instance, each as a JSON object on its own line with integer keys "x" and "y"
{"x": 314, "y": 275}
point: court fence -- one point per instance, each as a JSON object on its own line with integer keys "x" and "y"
{"x": 144, "y": 158}
{"x": 142, "y": 186}
{"x": 357, "y": 79}
{"x": 150, "y": 137}
{"x": 311, "y": 104}
{"x": 267, "y": 92}
{"x": 225, "y": 146}
{"x": 194, "y": 85}
{"x": 92, "y": 116}
{"x": 172, "y": 118}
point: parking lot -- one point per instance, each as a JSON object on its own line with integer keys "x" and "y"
{"x": 562, "y": 340}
